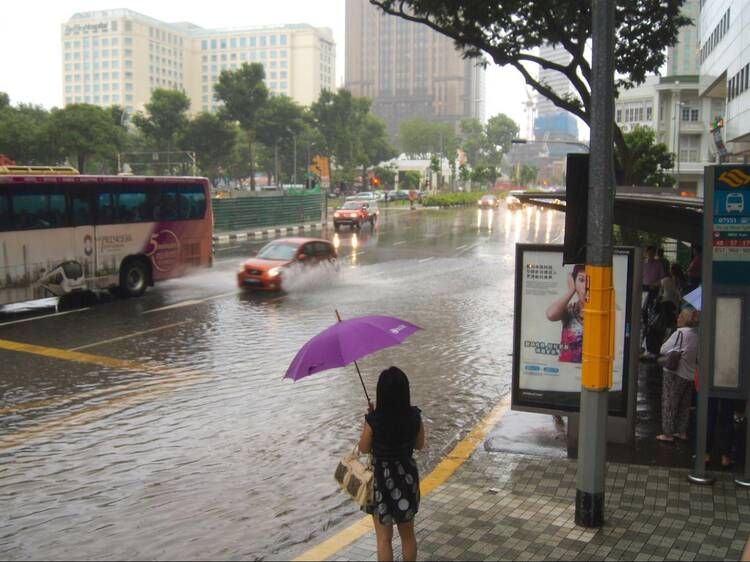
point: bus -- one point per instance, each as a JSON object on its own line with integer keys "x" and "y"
{"x": 61, "y": 232}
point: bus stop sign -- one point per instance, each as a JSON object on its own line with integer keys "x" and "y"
{"x": 731, "y": 225}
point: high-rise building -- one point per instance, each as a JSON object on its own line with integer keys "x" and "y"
{"x": 409, "y": 70}
{"x": 682, "y": 58}
{"x": 118, "y": 57}
{"x": 553, "y": 123}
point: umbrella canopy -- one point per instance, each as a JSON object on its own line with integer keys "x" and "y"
{"x": 695, "y": 298}
{"x": 346, "y": 341}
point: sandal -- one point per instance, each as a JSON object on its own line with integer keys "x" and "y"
{"x": 665, "y": 438}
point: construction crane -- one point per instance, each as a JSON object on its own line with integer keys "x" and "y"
{"x": 529, "y": 108}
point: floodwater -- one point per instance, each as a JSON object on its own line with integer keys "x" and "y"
{"x": 198, "y": 448}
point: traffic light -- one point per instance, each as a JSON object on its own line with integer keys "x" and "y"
{"x": 376, "y": 181}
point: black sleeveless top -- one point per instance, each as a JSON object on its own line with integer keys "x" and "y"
{"x": 394, "y": 442}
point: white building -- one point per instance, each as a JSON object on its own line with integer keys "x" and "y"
{"x": 681, "y": 119}
{"x": 118, "y": 57}
{"x": 725, "y": 68}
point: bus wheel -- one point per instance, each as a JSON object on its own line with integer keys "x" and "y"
{"x": 133, "y": 278}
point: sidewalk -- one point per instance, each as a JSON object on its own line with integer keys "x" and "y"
{"x": 516, "y": 507}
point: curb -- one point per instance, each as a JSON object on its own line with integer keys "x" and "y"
{"x": 265, "y": 233}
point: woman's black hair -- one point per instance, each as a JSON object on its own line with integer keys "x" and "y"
{"x": 393, "y": 396}
{"x": 578, "y": 268}
{"x": 393, "y": 406}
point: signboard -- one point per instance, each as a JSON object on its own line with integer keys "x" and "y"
{"x": 548, "y": 335}
{"x": 731, "y": 225}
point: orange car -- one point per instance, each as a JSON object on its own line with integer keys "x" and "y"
{"x": 266, "y": 270}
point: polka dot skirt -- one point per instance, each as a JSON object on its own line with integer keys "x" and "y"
{"x": 396, "y": 498}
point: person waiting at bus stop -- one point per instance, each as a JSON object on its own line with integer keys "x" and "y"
{"x": 677, "y": 385}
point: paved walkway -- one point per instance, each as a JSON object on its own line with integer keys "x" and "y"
{"x": 501, "y": 506}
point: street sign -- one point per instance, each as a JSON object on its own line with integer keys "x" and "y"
{"x": 731, "y": 225}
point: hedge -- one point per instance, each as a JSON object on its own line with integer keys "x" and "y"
{"x": 452, "y": 199}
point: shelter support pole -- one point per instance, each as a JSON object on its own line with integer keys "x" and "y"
{"x": 598, "y": 330}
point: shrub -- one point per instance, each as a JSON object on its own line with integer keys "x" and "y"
{"x": 452, "y": 199}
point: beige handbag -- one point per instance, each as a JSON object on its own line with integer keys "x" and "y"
{"x": 356, "y": 478}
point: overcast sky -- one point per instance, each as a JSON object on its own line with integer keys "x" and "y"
{"x": 30, "y": 51}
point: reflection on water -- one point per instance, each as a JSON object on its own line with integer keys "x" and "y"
{"x": 239, "y": 464}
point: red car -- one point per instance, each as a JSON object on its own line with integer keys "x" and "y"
{"x": 356, "y": 213}
{"x": 265, "y": 271}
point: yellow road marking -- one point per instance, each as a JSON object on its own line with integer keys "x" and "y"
{"x": 128, "y": 336}
{"x": 438, "y": 476}
{"x": 78, "y": 357}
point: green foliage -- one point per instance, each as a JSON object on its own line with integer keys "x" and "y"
{"x": 409, "y": 179}
{"x": 165, "y": 118}
{"x": 387, "y": 175}
{"x": 511, "y": 31}
{"x": 524, "y": 175}
{"x": 420, "y": 137}
{"x": 213, "y": 142}
{"x": 244, "y": 94}
{"x": 82, "y": 132}
{"x": 500, "y": 130}
{"x": 452, "y": 199}
{"x": 24, "y": 136}
{"x": 649, "y": 159}
{"x": 4, "y": 100}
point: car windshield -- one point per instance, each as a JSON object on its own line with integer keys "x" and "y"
{"x": 352, "y": 205}
{"x": 278, "y": 251}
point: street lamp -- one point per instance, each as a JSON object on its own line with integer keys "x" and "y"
{"x": 678, "y": 117}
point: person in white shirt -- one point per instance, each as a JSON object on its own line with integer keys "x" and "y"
{"x": 677, "y": 386}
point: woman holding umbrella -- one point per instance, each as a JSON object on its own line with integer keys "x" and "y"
{"x": 392, "y": 430}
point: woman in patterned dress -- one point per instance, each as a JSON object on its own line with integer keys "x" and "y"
{"x": 392, "y": 430}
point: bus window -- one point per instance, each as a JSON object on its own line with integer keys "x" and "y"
{"x": 166, "y": 206}
{"x": 192, "y": 202}
{"x": 133, "y": 206}
{"x": 106, "y": 210}
{"x": 38, "y": 208}
{"x": 81, "y": 208}
{"x": 4, "y": 212}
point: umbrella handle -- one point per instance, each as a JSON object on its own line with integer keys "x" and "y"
{"x": 338, "y": 316}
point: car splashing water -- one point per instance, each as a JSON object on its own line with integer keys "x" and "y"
{"x": 302, "y": 278}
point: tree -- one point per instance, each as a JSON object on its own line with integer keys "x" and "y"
{"x": 373, "y": 146}
{"x": 409, "y": 179}
{"x": 281, "y": 121}
{"x": 82, "y": 132}
{"x": 500, "y": 130}
{"x": 339, "y": 116}
{"x": 213, "y": 142}
{"x": 165, "y": 118}
{"x": 650, "y": 159}
{"x": 420, "y": 137}
{"x": 524, "y": 175}
{"x": 386, "y": 175}
{"x": 4, "y": 100}
{"x": 243, "y": 93}
{"x": 23, "y": 135}
{"x": 510, "y": 31}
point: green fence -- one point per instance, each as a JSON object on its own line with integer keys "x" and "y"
{"x": 247, "y": 213}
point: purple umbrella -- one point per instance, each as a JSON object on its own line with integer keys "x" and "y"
{"x": 346, "y": 341}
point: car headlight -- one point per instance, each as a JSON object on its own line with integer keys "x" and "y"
{"x": 274, "y": 272}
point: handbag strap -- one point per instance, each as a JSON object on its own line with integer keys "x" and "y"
{"x": 678, "y": 342}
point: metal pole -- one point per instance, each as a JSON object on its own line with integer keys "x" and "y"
{"x": 679, "y": 119}
{"x": 598, "y": 310}
{"x": 707, "y": 330}
{"x": 192, "y": 157}
{"x": 294, "y": 171}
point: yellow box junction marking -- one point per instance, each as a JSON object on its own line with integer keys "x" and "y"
{"x": 440, "y": 474}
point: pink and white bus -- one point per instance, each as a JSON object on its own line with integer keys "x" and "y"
{"x": 61, "y": 232}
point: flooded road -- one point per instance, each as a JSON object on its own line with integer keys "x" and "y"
{"x": 161, "y": 427}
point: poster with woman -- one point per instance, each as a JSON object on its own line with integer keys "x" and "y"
{"x": 548, "y": 338}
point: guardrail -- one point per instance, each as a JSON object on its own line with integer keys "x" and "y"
{"x": 247, "y": 213}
